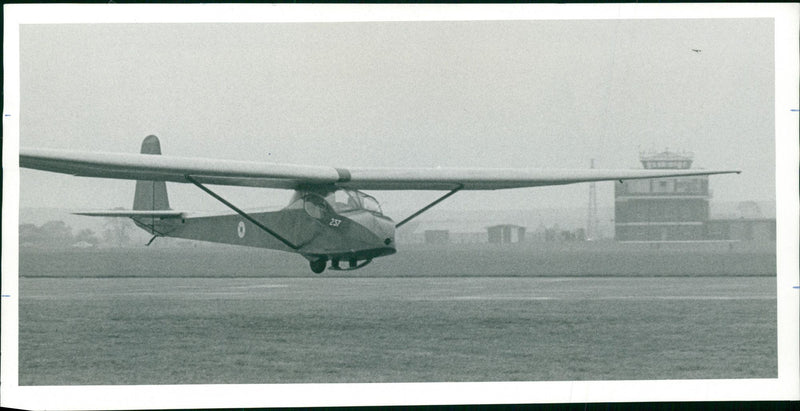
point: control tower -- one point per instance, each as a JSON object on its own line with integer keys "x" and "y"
{"x": 663, "y": 209}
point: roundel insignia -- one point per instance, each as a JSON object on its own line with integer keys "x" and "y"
{"x": 240, "y": 229}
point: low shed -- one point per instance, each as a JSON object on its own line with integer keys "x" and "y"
{"x": 506, "y": 233}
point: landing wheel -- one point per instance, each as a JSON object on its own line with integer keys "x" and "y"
{"x": 318, "y": 266}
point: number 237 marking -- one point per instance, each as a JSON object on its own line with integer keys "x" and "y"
{"x": 335, "y": 222}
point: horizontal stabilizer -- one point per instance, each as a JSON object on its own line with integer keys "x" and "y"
{"x": 134, "y": 213}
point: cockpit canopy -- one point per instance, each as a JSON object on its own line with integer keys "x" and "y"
{"x": 343, "y": 200}
{"x": 340, "y": 201}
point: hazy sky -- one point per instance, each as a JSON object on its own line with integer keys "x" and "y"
{"x": 404, "y": 94}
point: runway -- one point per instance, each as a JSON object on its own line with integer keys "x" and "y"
{"x": 411, "y": 289}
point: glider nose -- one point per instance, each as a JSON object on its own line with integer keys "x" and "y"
{"x": 385, "y": 233}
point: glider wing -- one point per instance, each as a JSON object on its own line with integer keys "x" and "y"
{"x": 272, "y": 175}
{"x": 175, "y": 169}
{"x": 496, "y": 178}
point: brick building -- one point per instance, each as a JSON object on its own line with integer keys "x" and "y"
{"x": 663, "y": 209}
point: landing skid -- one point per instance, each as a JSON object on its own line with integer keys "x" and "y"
{"x": 353, "y": 265}
{"x": 318, "y": 266}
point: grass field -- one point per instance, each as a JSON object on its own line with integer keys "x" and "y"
{"x": 521, "y": 260}
{"x": 172, "y": 321}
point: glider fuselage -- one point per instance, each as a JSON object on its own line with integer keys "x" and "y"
{"x": 322, "y": 225}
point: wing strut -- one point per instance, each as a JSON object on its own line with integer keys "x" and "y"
{"x": 424, "y": 209}
{"x": 242, "y": 213}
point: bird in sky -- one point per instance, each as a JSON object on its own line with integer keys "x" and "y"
{"x": 696, "y": 50}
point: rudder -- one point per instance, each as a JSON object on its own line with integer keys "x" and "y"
{"x": 151, "y": 195}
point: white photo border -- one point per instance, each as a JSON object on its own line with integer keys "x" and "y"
{"x": 785, "y": 387}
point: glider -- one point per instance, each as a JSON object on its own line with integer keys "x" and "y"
{"x": 328, "y": 220}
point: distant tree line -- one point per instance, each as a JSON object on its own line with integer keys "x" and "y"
{"x": 557, "y": 234}
{"x": 56, "y": 234}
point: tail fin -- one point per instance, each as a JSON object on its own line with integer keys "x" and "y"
{"x": 151, "y": 195}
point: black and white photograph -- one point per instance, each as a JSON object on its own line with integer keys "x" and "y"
{"x": 306, "y": 205}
